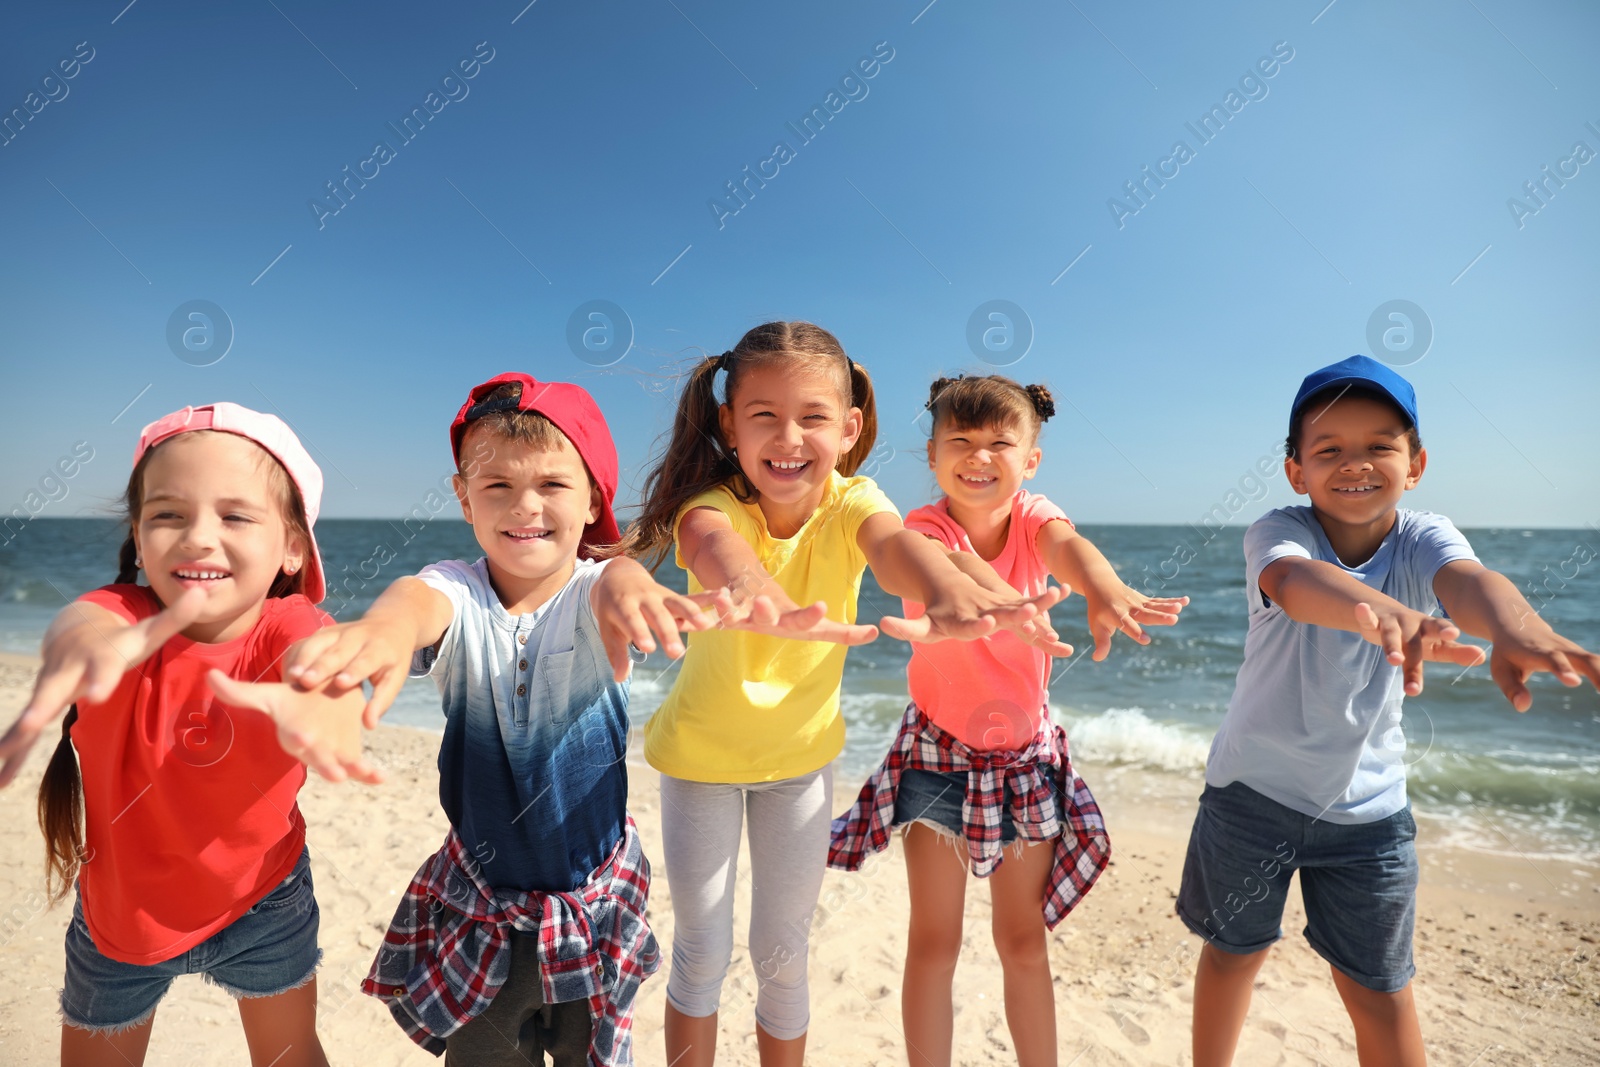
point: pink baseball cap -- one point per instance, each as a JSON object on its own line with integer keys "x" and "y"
{"x": 272, "y": 434}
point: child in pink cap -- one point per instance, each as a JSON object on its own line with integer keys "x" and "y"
{"x": 191, "y": 856}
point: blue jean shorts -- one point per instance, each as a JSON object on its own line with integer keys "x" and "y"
{"x": 1358, "y": 882}
{"x": 936, "y": 797}
{"x": 268, "y": 950}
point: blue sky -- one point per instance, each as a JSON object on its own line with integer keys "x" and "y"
{"x": 977, "y": 163}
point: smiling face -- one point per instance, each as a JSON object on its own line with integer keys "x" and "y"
{"x": 211, "y": 517}
{"x": 528, "y": 507}
{"x": 981, "y": 468}
{"x": 789, "y": 425}
{"x": 1354, "y": 461}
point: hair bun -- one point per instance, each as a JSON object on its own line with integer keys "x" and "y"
{"x": 1043, "y": 402}
{"x": 940, "y": 385}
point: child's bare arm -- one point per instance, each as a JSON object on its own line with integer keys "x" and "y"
{"x": 981, "y": 571}
{"x": 721, "y": 559}
{"x": 1317, "y": 593}
{"x": 1486, "y": 604}
{"x": 629, "y": 604}
{"x": 913, "y": 567}
{"x": 1112, "y": 604}
{"x": 86, "y": 650}
{"x": 409, "y": 615}
{"x": 318, "y": 728}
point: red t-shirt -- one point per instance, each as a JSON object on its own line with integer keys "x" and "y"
{"x": 189, "y": 805}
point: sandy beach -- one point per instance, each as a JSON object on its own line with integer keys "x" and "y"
{"x": 1505, "y": 943}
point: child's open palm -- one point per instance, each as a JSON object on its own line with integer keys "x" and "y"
{"x": 781, "y": 617}
{"x": 86, "y": 661}
{"x": 1409, "y": 639}
{"x": 969, "y": 612}
{"x": 1536, "y": 648}
{"x": 321, "y": 731}
{"x": 632, "y": 608}
{"x": 348, "y": 654}
{"x": 1126, "y": 610}
{"x": 721, "y": 559}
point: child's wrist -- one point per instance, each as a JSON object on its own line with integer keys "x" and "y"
{"x": 1094, "y": 593}
{"x": 1098, "y": 596}
{"x": 939, "y": 600}
{"x": 1518, "y": 631}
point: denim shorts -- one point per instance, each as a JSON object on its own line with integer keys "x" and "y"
{"x": 936, "y": 797}
{"x": 1358, "y": 882}
{"x": 268, "y": 950}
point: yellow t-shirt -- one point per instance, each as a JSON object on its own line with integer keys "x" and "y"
{"x": 751, "y": 708}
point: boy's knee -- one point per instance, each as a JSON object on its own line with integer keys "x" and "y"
{"x": 1377, "y": 1005}
{"x": 1232, "y": 962}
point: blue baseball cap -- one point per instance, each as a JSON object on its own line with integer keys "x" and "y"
{"x": 1361, "y": 371}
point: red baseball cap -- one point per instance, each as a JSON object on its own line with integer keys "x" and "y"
{"x": 574, "y": 413}
{"x": 272, "y": 434}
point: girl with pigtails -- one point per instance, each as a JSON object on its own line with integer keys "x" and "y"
{"x": 977, "y": 763}
{"x": 757, "y": 492}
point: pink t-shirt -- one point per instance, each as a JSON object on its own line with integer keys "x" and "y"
{"x": 991, "y": 694}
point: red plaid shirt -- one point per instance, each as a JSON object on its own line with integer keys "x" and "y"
{"x": 1080, "y": 855}
{"x": 446, "y": 953}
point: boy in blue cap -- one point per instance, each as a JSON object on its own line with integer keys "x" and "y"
{"x": 1307, "y": 771}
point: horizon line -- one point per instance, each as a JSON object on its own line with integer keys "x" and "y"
{"x": 1090, "y": 522}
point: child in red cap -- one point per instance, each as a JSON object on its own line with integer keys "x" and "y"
{"x": 525, "y": 934}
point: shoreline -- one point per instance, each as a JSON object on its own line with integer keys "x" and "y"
{"x": 1505, "y": 952}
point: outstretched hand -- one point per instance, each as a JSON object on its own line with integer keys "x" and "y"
{"x": 86, "y": 662}
{"x": 321, "y": 731}
{"x": 764, "y": 615}
{"x": 337, "y": 659}
{"x": 1128, "y": 611}
{"x": 977, "y": 613}
{"x": 635, "y": 610}
{"x": 1409, "y": 639}
{"x": 1516, "y": 658}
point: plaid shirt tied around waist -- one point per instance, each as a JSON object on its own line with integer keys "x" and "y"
{"x": 447, "y": 951}
{"x": 1082, "y": 848}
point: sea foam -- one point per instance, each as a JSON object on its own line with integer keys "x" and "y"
{"x": 1129, "y": 736}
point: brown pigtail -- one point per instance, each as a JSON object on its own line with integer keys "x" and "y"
{"x": 61, "y": 814}
{"x": 696, "y": 459}
{"x": 860, "y": 397}
{"x": 61, "y": 790}
{"x": 127, "y": 562}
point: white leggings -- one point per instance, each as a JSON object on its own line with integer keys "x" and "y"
{"x": 700, "y": 826}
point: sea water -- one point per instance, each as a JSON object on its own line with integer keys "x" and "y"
{"x": 1491, "y": 778}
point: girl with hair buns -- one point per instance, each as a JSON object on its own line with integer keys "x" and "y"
{"x": 978, "y": 764}
{"x": 758, "y": 493}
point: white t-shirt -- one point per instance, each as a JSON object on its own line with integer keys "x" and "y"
{"x": 532, "y": 766}
{"x": 1314, "y": 722}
